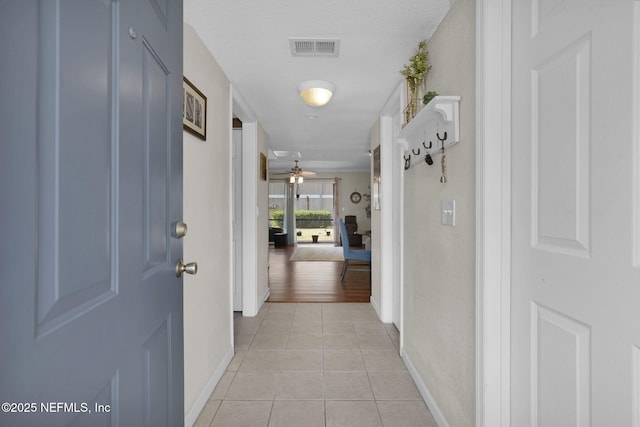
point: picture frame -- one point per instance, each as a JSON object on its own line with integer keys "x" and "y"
{"x": 376, "y": 178}
{"x": 263, "y": 167}
{"x": 194, "y": 110}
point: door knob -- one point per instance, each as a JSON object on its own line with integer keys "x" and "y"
{"x": 190, "y": 268}
{"x": 178, "y": 229}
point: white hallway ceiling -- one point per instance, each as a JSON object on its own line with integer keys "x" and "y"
{"x": 250, "y": 41}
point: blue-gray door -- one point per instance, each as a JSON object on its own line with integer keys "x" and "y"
{"x": 90, "y": 182}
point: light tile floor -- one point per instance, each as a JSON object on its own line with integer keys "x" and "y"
{"x": 307, "y": 365}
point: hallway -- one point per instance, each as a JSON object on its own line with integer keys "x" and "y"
{"x": 315, "y": 364}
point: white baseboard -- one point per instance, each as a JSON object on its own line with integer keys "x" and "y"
{"x": 264, "y": 299}
{"x": 424, "y": 391}
{"x": 374, "y": 303}
{"x": 203, "y": 397}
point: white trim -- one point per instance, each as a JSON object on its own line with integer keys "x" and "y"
{"x": 493, "y": 204}
{"x": 401, "y": 147}
{"x": 265, "y": 297}
{"x": 375, "y": 306}
{"x": 249, "y": 224}
{"x": 390, "y": 229}
{"x": 236, "y": 232}
{"x": 203, "y": 397}
{"x": 386, "y": 219}
{"x": 397, "y": 232}
{"x": 232, "y": 260}
{"x": 636, "y": 133}
{"x": 242, "y": 111}
{"x": 635, "y": 381}
{"x": 438, "y": 416}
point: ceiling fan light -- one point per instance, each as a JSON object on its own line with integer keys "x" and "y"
{"x": 316, "y": 93}
{"x": 300, "y": 179}
{"x": 292, "y": 179}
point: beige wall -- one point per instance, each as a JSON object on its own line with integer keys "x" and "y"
{"x": 439, "y": 263}
{"x": 350, "y": 182}
{"x": 207, "y": 300}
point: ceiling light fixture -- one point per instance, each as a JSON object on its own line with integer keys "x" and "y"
{"x": 316, "y": 93}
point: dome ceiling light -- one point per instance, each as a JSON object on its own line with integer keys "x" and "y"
{"x": 316, "y": 93}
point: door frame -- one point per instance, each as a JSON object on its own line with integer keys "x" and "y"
{"x": 251, "y": 302}
{"x": 390, "y": 306}
{"x": 493, "y": 212}
{"x": 236, "y": 218}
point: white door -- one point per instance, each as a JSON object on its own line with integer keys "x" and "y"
{"x": 575, "y": 285}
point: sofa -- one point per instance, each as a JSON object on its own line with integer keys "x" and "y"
{"x": 272, "y": 233}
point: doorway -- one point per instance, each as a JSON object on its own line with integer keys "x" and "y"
{"x": 313, "y": 207}
{"x": 304, "y": 211}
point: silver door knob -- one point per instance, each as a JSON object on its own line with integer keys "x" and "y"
{"x": 178, "y": 229}
{"x": 190, "y": 268}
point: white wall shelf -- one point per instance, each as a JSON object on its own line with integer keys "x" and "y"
{"x": 425, "y": 133}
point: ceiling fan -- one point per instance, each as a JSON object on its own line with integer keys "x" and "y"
{"x": 296, "y": 174}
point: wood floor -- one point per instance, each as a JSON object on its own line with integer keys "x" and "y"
{"x": 314, "y": 281}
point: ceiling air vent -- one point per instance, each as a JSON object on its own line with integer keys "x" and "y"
{"x": 314, "y": 47}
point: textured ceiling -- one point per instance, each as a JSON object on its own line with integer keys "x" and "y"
{"x": 250, "y": 41}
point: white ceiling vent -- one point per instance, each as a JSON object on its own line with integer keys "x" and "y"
{"x": 314, "y": 47}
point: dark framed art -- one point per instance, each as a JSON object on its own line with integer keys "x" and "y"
{"x": 376, "y": 178}
{"x": 263, "y": 167}
{"x": 194, "y": 110}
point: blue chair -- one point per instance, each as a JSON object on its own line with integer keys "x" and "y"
{"x": 350, "y": 254}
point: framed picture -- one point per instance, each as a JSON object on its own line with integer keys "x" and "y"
{"x": 263, "y": 167}
{"x": 376, "y": 178}
{"x": 194, "y": 110}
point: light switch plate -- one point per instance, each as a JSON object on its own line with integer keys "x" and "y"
{"x": 449, "y": 212}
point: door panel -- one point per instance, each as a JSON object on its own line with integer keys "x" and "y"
{"x": 560, "y": 141}
{"x": 101, "y": 417}
{"x": 157, "y": 376}
{"x": 90, "y": 305}
{"x": 84, "y": 78}
{"x": 560, "y": 359}
{"x": 74, "y": 277}
{"x": 155, "y": 86}
{"x": 574, "y": 286}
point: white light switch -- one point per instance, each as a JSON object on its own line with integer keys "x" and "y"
{"x": 449, "y": 212}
